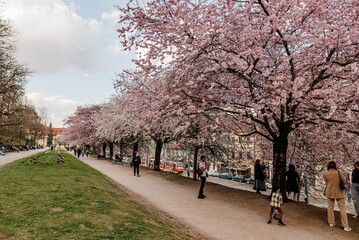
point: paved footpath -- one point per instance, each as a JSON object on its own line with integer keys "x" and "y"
{"x": 12, "y": 156}
{"x": 319, "y": 201}
{"x": 217, "y": 217}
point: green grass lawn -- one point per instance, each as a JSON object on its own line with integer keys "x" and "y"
{"x": 47, "y": 200}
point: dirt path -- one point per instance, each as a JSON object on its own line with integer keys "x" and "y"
{"x": 227, "y": 213}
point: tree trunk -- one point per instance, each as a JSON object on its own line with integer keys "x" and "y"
{"x": 121, "y": 148}
{"x": 111, "y": 149}
{"x": 280, "y": 147}
{"x": 134, "y": 150}
{"x": 196, "y": 149}
{"x": 156, "y": 164}
{"x": 104, "y": 149}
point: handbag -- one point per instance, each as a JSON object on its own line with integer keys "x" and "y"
{"x": 199, "y": 171}
{"x": 341, "y": 183}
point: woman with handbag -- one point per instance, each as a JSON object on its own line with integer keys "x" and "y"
{"x": 334, "y": 192}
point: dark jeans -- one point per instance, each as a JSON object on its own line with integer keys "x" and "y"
{"x": 203, "y": 182}
{"x": 136, "y": 167}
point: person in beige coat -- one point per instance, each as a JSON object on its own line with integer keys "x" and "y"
{"x": 334, "y": 192}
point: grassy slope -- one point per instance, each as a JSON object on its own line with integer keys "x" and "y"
{"x": 48, "y": 200}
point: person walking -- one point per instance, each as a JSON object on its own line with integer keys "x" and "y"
{"x": 293, "y": 181}
{"x": 203, "y": 166}
{"x": 354, "y": 188}
{"x": 78, "y": 153}
{"x": 333, "y": 192}
{"x": 259, "y": 177}
{"x": 136, "y": 164}
{"x": 275, "y": 203}
{"x": 188, "y": 170}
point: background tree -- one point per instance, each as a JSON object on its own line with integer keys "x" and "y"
{"x": 12, "y": 80}
{"x": 50, "y": 135}
{"x": 272, "y": 66}
{"x": 80, "y": 127}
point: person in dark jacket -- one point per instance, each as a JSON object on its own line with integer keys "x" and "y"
{"x": 354, "y": 188}
{"x": 259, "y": 177}
{"x": 136, "y": 164}
{"x": 293, "y": 181}
{"x": 78, "y": 152}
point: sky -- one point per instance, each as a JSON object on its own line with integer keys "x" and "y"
{"x": 72, "y": 49}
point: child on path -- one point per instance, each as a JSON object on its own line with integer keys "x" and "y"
{"x": 276, "y": 201}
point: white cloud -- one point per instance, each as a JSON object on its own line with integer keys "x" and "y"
{"x": 52, "y": 36}
{"x": 115, "y": 48}
{"x": 58, "y": 106}
{"x": 112, "y": 17}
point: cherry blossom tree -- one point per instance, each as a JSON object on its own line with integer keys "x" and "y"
{"x": 80, "y": 127}
{"x": 117, "y": 121}
{"x": 273, "y": 66}
{"x": 163, "y": 120}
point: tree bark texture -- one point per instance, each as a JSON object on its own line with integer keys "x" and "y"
{"x": 134, "y": 150}
{"x": 195, "y": 157}
{"x": 104, "y": 149}
{"x": 111, "y": 149}
{"x": 280, "y": 147}
{"x": 156, "y": 164}
{"x": 121, "y": 148}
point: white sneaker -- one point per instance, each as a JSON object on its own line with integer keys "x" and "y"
{"x": 331, "y": 225}
{"x": 347, "y": 229}
{"x": 356, "y": 216}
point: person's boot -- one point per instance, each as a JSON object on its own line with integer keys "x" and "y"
{"x": 281, "y": 223}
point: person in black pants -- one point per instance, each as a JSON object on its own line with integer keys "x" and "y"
{"x": 136, "y": 164}
{"x": 259, "y": 177}
{"x": 203, "y": 167}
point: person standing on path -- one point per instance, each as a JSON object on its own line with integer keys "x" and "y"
{"x": 275, "y": 203}
{"x": 354, "y": 187}
{"x": 78, "y": 152}
{"x": 293, "y": 181}
{"x": 259, "y": 177}
{"x": 188, "y": 170}
{"x": 204, "y": 167}
{"x": 136, "y": 164}
{"x": 334, "y": 192}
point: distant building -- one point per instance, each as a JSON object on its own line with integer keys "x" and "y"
{"x": 42, "y": 139}
{"x": 56, "y": 134}
{"x": 57, "y": 131}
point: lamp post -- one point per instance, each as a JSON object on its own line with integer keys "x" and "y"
{"x": 20, "y": 134}
{"x": 32, "y": 141}
{"x": 37, "y": 139}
